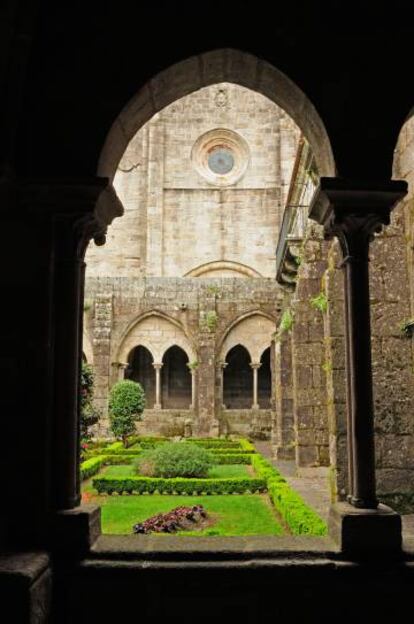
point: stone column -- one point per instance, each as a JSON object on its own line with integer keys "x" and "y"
{"x": 78, "y": 213}
{"x": 157, "y": 366}
{"x": 353, "y": 212}
{"x": 220, "y": 369}
{"x": 283, "y": 433}
{"x": 122, "y": 366}
{"x": 255, "y": 366}
{"x": 193, "y": 388}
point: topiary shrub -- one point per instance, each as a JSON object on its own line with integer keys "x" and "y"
{"x": 126, "y": 404}
{"x": 175, "y": 459}
{"x": 89, "y": 415}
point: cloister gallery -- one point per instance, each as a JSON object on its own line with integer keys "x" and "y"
{"x": 217, "y": 203}
{"x": 218, "y": 294}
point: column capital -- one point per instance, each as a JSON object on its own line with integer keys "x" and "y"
{"x": 80, "y": 210}
{"x": 157, "y": 365}
{"x": 255, "y": 365}
{"x": 122, "y": 365}
{"x": 353, "y": 210}
{"x": 221, "y": 364}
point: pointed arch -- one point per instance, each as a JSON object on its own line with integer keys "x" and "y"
{"x": 157, "y": 332}
{"x": 175, "y": 379}
{"x": 223, "y": 65}
{"x": 237, "y": 379}
{"x": 253, "y": 330}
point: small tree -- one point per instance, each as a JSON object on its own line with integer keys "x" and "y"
{"x": 89, "y": 415}
{"x": 126, "y": 404}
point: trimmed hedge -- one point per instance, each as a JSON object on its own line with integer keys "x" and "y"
{"x": 300, "y": 518}
{"x": 121, "y": 452}
{"x": 114, "y": 460}
{"x": 148, "y": 442}
{"x": 231, "y": 458}
{"x": 214, "y": 443}
{"x": 126, "y": 456}
{"x": 91, "y": 466}
{"x": 228, "y": 451}
{"x": 247, "y": 446}
{"x": 114, "y": 447}
{"x": 179, "y": 485}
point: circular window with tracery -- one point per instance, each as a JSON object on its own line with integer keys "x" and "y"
{"x": 221, "y": 156}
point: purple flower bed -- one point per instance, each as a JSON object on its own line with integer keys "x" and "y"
{"x": 172, "y": 521}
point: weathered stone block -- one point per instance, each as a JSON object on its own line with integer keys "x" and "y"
{"x": 365, "y": 533}
{"x": 307, "y": 455}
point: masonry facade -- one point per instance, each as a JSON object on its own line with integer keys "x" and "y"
{"x": 183, "y": 297}
{"x": 310, "y": 423}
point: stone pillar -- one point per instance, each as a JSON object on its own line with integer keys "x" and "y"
{"x": 353, "y": 212}
{"x": 122, "y": 366}
{"x": 283, "y": 434}
{"x": 102, "y": 331}
{"x": 220, "y": 370}
{"x": 79, "y": 213}
{"x": 193, "y": 388}
{"x": 255, "y": 367}
{"x": 157, "y": 366}
{"x": 206, "y": 422}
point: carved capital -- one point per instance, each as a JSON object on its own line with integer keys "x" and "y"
{"x": 157, "y": 365}
{"x": 221, "y": 365}
{"x": 354, "y": 211}
{"x": 80, "y": 210}
{"x": 256, "y": 365}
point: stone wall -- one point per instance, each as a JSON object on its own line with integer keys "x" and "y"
{"x": 191, "y": 262}
{"x": 318, "y": 362}
{"x": 308, "y": 355}
{"x": 197, "y": 314}
{"x": 177, "y": 218}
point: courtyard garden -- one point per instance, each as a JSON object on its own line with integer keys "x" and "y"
{"x": 199, "y": 487}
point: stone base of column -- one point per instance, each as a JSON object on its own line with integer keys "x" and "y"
{"x": 157, "y": 406}
{"x": 255, "y": 406}
{"x": 365, "y": 533}
{"x": 25, "y": 587}
{"x": 76, "y": 530}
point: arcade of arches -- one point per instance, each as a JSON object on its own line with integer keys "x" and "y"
{"x": 185, "y": 270}
{"x": 183, "y": 298}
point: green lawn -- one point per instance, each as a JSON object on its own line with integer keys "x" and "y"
{"x": 220, "y": 471}
{"x": 242, "y": 514}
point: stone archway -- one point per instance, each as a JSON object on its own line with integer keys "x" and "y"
{"x": 245, "y": 390}
{"x": 237, "y": 379}
{"x": 155, "y": 331}
{"x": 176, "y": 379}
{"x": 224, "y": 65}
{"x": 140, "y": 368}
{"x": 264, "y": 381}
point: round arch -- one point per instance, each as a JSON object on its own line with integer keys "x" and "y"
{"x": 220, "y": 267}
{"x": 223, "y": 65}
